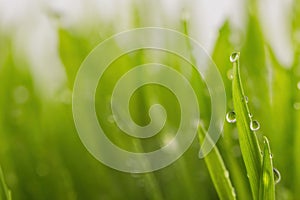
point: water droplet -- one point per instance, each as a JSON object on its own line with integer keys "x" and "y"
{"x": 245, "y": 98}
{"x": 250, "y": 115}
{"x": 271, "y": 156}
{"x": 277, "y": 176}
{"x": 234, "y": 57}
{"x": 231, "y": 117}
{"x": 298, "y": 85}
{"x": 230, "y": 74}
{"x": 254, "y": 125}
{"x": 226, "y": 174}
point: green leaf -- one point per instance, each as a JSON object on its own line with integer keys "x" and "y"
{"x": 4, "y": 191}
{"x": 267, "y": 185}
{"x": 247, "y": 138}
{"x": 217, "y": 170}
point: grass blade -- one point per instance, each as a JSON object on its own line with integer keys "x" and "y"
{"x": 217, "y": 170}
{"x": 247, "y": 138}
{"x": 4, "y": 191}
{"x": 267, "y": 185}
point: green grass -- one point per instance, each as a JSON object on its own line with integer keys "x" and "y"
{"x": 247, "y": 138}
{"x": 43, "y": 158}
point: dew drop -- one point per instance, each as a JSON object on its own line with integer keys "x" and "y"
{"x": 298, "y": 85}
{"x": 271, "y": 156}
{"x": 231, "y": 117}
{"x": 277, "y": 176}
{"x": 234, "y": 57}
{"x": 254, "y": 125}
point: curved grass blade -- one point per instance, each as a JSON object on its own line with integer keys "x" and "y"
{"x": 267, "y": 184}
{"x": 217, "y": 170}
{"x": 4, "y": 191}
{"x": 247, "y": 138}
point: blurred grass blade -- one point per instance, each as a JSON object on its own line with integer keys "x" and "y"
{"x": 217, "y": 170}
{"x": 4, "y": 191}
{"x": 248, "y": 140}
{"x": 267, "y": 185}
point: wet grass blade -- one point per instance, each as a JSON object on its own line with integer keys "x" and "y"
{"x": 4, "y": 191}
{"x": 217, "y": 170}
{"x": 267, "y": 185}
{"x": 247, "y": 138}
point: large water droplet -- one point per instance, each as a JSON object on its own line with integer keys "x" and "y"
{"x": 234, "y": 57}
{"x": 277, "y": 176}
{"x": 254, "y": 125}
{"x": 231, "y": 117}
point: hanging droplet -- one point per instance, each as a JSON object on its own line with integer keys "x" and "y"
{"x": 254, "y": 125}
{"x": 245, "y": 98}
{"x": 277, "y": 176}
{"x": 231, "y": 117}
{"x": 234, "y": 57}
{"x": 230, "y": 74}
{"x": 298, "y": 85}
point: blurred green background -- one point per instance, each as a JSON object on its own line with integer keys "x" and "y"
{"x": 42, "y": 45}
